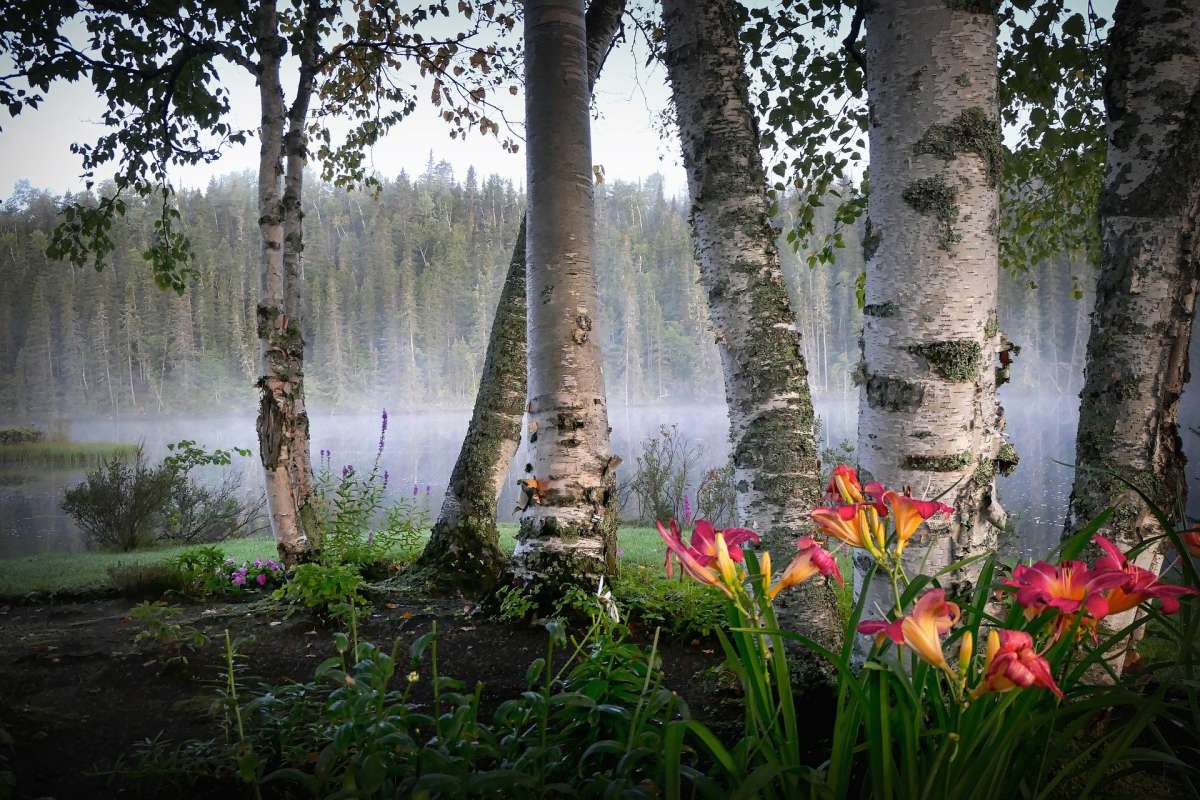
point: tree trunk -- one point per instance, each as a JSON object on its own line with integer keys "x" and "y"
{"x": 568, "y": 527}
{"x": 464, "y": 546}
{"x": 776, "y": 468}
{"x": 928, "y": 417}
{"x": 1137, "y": 354}
{"x": 282, "y": 420}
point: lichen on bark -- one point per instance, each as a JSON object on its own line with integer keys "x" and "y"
{"x": 972, "y": 131}
{"x": 935, "y": 197}
{"x": 957, "y": 360}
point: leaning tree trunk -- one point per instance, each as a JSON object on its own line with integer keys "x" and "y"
{"x": 1137, "y": 354}
{"x": 771, "y": 420}
{"x": 568, "y": 528}
{"x": 282, "y": 420}
{"x": 464, "y": 546}
{"x": 928, "y": 417}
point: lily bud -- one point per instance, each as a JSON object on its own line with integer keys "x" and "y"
{"x": 764, "y": 567}
{"x": 966, "y": 649}
{"x": 993, "y": 647}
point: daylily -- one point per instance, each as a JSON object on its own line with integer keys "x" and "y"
{"x": 707, "y": 543}
{"x": 1191, "y": 541}
{"x": 909, "y": 514}
{"x": 844, "y": 486}
{"x": 922, "y": 630}
{"x": 810, "y": 560}
{"x": 1012, "y": 662}
{"x": 1139, "y": 585}
{"x": 1067, "y": 588}
{"x": 857, "y": 525}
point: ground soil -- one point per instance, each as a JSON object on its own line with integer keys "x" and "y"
{"x": 76, "y": 693}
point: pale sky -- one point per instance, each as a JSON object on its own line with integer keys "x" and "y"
{"x": 629, "y": 99}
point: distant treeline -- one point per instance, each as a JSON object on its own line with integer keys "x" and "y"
{"x": 402, "y": 291}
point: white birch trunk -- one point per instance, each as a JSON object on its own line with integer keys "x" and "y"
{"x": 569, "y": 533}
{"x": 282, "y": 423}
{"x": 776, "y": 468}
{"x": 1137, "y": 355}
{"x": 928, "y": 416}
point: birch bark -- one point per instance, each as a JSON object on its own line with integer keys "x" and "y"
{"x": 928, "y": 416}
{"x": 568, "y": 530}
{"x": 1137, "y": 354}
{"x": 282, "y": 419}
{"x": 464, "y": 546}
{"x": 776, "y": 467}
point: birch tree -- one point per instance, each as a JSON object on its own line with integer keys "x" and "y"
{"x": 928, "y": 417}
{"x": 1137, "y": 353}
{"x": 568, "y": 528}
{"x": 774, "y": 450}
{"x": 464, "y": 546}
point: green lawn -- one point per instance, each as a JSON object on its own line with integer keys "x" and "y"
{"x": 82, "y": 572}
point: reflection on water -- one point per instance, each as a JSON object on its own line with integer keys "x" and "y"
{"x": 421, "y": 449}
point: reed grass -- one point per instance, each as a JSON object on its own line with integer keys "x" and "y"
{"x": 63, "y": 455}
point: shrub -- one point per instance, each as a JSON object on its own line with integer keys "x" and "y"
{"x": 118, "y": 505}
{"x": 21, "y": 436}
{"x": 660, "y": 482}
{"x": 144, "y": 580}
{"x": 124, "y": 506}
{"x": 683, "y": 608}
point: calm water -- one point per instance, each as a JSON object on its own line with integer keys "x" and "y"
{"x": 421, "y": 449}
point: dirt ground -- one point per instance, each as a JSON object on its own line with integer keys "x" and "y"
{"x": 76, "y": 693}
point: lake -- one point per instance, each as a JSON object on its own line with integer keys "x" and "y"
{"x": 421, "y": 448}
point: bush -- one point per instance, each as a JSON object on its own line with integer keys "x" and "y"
{"x": 660, "y": 482}
{"x": 145, "y": 580}
{"x": 119, "y": 505}
{"x": 125, "y": 506}
{"x": 21, "y": 436}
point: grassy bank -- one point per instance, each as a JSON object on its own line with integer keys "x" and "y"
{"x": 77, "y": 573}
{"x": 62, "y": 454}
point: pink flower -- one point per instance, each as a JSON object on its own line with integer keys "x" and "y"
{"x": 262, "y": 579}
{"x": 698, "y": 559}
{"x": 1066, "y": 588}
{"x": 811, "y": 559}
{"x": 1139, "y": 585}
{"x": 1012, "y": 662}
{"x": 909, "y": 514}
{"x": 922, "y": 630}
{"x": 238, "y": 579}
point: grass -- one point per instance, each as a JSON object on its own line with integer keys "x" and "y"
{"x": 63, "y": 454}
{"x": 86, "y": 572}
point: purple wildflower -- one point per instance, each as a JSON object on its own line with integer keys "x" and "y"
{"x": 687, "y": 508}
{"x": 347, "y": 471}
{"x": 385, "y": 478}
{"x": 427, "y": 488}
{"x": 258, "y": 563}
{"x": 416, "y": 490}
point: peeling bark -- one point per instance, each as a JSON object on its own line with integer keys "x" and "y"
{"x": 929, "y": 362}
{"x": 568, "y": 529}
{"x": 777, "y": 471}
{"x": 1137, "y": 353}
{"x": 282, "y": 419}
{"x": 464, "y": 546}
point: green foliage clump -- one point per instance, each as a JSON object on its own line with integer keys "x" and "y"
{"x": 158, "y": 625}
{"x": 329, "y": 590}
{"x": 11, "y": 436}
{"x": 681, "y": 607}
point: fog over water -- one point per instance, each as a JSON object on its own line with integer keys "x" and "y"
{"x": 421, "y": 448}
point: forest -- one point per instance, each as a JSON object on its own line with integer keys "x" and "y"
{"x": 969, "y": 227}
{"x": 385, "y": 316}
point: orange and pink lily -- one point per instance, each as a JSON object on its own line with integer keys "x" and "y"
{"x": 931, "y": 619}
{"x": 908, "y": 515}
{"x": 811, "y": 559}
{"x": 1012, "y": 662}
{"x": 700, "y": 559}
{"x": 1138, "y": 584}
